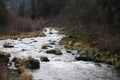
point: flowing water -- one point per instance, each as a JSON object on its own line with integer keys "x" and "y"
{"x": 60, "y": 67}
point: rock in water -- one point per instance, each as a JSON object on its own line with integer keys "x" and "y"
{"x": 4, "y": 58}
{"x": 8, "y": 45}
{"x": 32, "y": 64}
{"x": 82, "y": 55}
{"x": 54, "y": 51}
{"x": 44, "y": 59}
{"x": 46, "y": 46}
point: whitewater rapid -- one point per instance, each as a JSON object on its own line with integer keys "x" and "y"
{"x": 60, "y": 67}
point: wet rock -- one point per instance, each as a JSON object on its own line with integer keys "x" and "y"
{"x": 91, "y": 55}
{"x": 16, "y": 62}
{"x": 51, "y": 51}
{"x": 23, "y": 49}
{"x": 54, "y": 51}
{"x": 8, "y": 45}
{"x": 4, "y": 58}
{"x": 43, "y": 35}
{"x": 109, "y": 62}
{"x": 73, "y": 53}
{"x": 52, "y": 43}
{"x": 14, "y": 38}
{"x": 46, "y": 46}
{"x": 9, "y": 64}
{"x": 14, "y": 59}
{"x": 69, "y": 51}
{"x": 44, "y": 59}
{"x": 32, "y": 64}
{"x": 50, "y": 33}
{"x": 19, "y": 39}
{"x": 117, "y": 65}
{"x": 8, "y": 55}
{"x": 34, "y": 41}
{"x": 82, "y": 55}
{"x": 97, "y": 64}
{"x": 98, "y": 58}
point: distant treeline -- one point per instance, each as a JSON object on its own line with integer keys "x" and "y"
{"x": 98, "y": 21}
{"x": 41, "y": 8}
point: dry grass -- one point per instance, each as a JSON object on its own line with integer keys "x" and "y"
{"x": 26, "y": 76}
{"x": 22, "y": 35}
{"x": 22, "y": 69}
{"x": 3, "y": 70}
{"x": 30, "y": 57}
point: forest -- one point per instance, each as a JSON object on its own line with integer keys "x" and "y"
{"x": 95, "y": 23}
{"x": 96, "y": 18}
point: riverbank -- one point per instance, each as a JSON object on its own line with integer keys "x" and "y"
{"x": 52, "y": 60}
{"x": 77, "y": 42}
{"x": 22, "y": 35}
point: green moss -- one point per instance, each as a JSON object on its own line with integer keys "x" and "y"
{"x": 13, "y": 75}
{"x": 117, "y": 65}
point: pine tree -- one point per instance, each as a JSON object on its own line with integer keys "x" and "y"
{"x": 32, "y": 9}
{"x": 22, "y": 8}
{"x": 3, "y": 13}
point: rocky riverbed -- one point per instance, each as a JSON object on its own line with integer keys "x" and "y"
{"x": 56, "y": 63}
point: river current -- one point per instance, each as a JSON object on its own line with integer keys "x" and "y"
{"x": 60, "y": 67}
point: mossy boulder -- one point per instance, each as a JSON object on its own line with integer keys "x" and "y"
{"x": 82, "y": 55}
{"x": 32, "y": 64}
{"x": 16, "y": 61}
{"x": 117, "y": 65}
{"x": 54, "y": 51}
{"x": 88, "y": 55}
{"x": 4, "y": 57}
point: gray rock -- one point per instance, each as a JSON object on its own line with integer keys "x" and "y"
{"x": 46, "y": 46}
{"x": 82, "y": 55}
{"x": 8, "y": 45}
{"x": 54, "y": 51}
{"x": 44, "y": 59}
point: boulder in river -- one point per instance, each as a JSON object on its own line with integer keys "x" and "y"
{"x": 69, "y": 51}
{"x": 4, "y": 58}
{"x": 46, "y": 46}
{"x": 8, "y": 45}
{"x": 54, "y": 51}
{"x": 52, "y": 43}
{"x": 44, "y": 59}
{"x": 16, "y": 62}
{"x": 32, "y": 64}
{"x": 82, "y": 55}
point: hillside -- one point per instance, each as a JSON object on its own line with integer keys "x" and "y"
{"x": 82, "y": 38}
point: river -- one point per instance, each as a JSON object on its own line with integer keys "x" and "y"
{"x": 60, "y": 67}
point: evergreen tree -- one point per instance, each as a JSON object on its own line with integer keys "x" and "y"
{"x": 22, "y": 8}
{"x": 3, "y": 13}
{"x": 32, "y": 9}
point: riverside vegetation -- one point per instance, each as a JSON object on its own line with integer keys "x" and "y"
{"x": 76, "y": 42}
{"x": 91, "y": 26}
{"x": 52, "y": 54}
